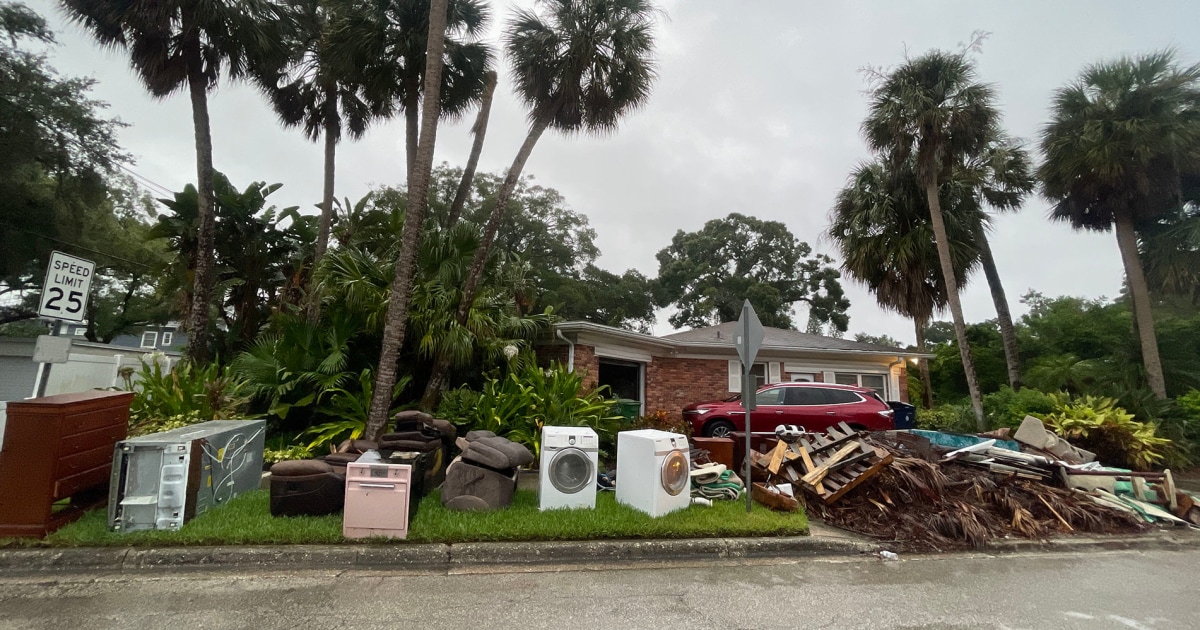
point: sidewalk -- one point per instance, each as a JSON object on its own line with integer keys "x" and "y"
{"x": 824, "y": 541}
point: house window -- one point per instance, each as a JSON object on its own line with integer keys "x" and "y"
{"x": 758, "y": 372}
{"x": 167, "y": 339}
{"x": 873, "y": 382}
{"x": 762, "y": 373}
{"x": 149, "y": 339}
{"x": 803, "y": 377}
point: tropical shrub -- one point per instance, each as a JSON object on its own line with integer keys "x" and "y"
{"x": 953, "y": 418}
{"x": 1008, "y": 407}
{"x": 518, "y": 405}
{"x": 1181, "y": 423}
{"x": 347, "y": 407}
{"x": 663, "y": 421}
{"x": 1106, "y": 429}
{"x": 165, "y": 399}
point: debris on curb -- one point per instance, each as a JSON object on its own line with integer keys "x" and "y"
{"x": 934, "y": 491}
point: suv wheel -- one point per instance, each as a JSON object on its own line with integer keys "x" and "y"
{"x": 718, "y": 428}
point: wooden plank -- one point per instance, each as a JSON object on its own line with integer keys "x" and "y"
{"x": 870, "y": 472}
{"x": 776, "y": 457}
{"x": 808, "y": 467}
{"x": 821, "y": 470}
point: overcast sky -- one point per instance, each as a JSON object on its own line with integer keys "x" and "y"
{"x": 756, "y": 110}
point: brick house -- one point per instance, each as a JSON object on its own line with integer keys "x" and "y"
{"x": 674, "y": 370}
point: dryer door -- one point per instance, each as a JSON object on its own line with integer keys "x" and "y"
{"x": 570, "y": 471}
{"x": 675, "y": 473}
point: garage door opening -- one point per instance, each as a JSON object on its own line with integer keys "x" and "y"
{"x": 624, "y": 379}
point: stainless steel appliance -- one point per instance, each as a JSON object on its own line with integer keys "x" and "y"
{"x": 163, "y": 480}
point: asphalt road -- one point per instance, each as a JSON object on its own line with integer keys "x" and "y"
{"x": 1129, "y": 589}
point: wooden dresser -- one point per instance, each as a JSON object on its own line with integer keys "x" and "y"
{"x": 55, "y": 448}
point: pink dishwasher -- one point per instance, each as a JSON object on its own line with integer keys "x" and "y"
{"x": 377, "y": 496}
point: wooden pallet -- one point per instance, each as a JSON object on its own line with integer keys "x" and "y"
{"x": 835, "y": 463}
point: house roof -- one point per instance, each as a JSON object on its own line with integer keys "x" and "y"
{"x": 722, "y": 334}
{"x": 721, "y": 337}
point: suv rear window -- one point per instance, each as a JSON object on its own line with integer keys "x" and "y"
{"x": 840, "y": 396}
{"x": 805, "y": 396}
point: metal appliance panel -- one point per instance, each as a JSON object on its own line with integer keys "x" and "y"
{"x": 162, "y": 480}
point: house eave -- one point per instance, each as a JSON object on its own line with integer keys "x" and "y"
{"x": 649, "y": 341}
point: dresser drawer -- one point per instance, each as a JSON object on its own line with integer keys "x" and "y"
{"x": 68, "y": 486}
{"x": 80, "y": 442}
{"x": 81, "y": 462}
{"x": 86, "y": 421}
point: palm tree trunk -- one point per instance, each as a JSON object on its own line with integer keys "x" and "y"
{"x": 923, "y": 363}
{"x": 960, "y": 325}
{"x": 480, "y": 130}
{"x": 1143, "y": 316}
{"x": 414, "y": 220}
{"x": 436, "y": 385}
{"x": 441, "y": 363}
{"x": 471, "y": 287}
{"x": 412, "y": 127}
{"x": 1003, "y": 316}
{"x": 332, "y": 128}
{"x": 197, "y": 349}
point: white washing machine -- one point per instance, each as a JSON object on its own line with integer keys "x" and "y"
{"x": 567, "y": 468}
{"x": 653, "y": 471}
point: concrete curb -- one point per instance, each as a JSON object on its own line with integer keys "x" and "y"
{"x": 425, "y": 556}
{"x": 443, "y": 557}
{"x": 1180, "y": 539}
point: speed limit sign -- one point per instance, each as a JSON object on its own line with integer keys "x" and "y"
{"x": 65, "y": 292}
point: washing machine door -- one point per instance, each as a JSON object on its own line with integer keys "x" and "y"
{"x": 570, "y": 471}
{"x": 675, "y": 473}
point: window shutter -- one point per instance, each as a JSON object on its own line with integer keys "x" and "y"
{"x": 773, "y": 375}
{"x": 828, "y": 377}
{"x": 735, "y": 375}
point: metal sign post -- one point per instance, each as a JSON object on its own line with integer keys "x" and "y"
{"x": 64, "y": 298}
{"x": 747, "y": 339}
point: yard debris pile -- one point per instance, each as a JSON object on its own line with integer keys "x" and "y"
{"x": 932, "y": 491}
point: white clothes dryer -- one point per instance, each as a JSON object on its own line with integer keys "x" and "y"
{"x": 653, "y": 471}
{"x": 567, "y": 468}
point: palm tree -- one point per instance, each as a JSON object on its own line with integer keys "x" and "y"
{"x": 414, "y": 221}
{"x": 1000, "y": 178}
{"x": 1119, "y": 141}
{"x": 321, "y": 86}
{"x": 479, "y": 130}
{"x": 933, "y": 110}
{"x": 579, "y": 68}
{"x": 177, "y": 44}
{"x": 396, "y": 49}
{"x": 880, "y": 224}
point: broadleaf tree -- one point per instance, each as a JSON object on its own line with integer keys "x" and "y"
{"x": 707, "y": 275}
{"x": 58, "y": 154}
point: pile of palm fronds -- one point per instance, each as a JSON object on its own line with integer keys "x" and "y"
{"x": 921, "y": 505}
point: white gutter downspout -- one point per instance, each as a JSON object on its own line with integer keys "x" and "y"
{"x": 570, "y": 350}
{"x": 898, "y": 361}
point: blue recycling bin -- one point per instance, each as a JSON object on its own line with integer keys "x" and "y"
{"x": 905, "y": 416}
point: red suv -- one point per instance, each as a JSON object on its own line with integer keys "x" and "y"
{"x": 813, "y": 406}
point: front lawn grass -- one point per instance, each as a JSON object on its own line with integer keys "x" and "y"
{"x": 246, "y": 520}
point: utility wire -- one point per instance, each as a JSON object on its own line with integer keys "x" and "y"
{"x": 78, "y": 246}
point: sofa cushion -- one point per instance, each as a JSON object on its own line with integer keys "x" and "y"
{"x": 296, "y": 467}
{"x": 412, "y": 415}
{"x": 497, "y": 452}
